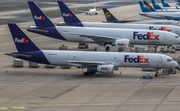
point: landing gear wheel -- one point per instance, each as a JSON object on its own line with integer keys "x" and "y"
{"x": 156, "y": 75}
{"x": 85, "y": 74}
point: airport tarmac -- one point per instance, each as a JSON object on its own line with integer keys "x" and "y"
{"x": 42, "y": 89}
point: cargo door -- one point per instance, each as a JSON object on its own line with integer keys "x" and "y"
{"x": 160, "y": 62}
{"x": 165, "y": 38}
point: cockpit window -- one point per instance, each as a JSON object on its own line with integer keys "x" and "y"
{"x": 176, "y": 36}
{"x": 169, "y": 60}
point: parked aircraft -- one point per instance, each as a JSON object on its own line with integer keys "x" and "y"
{"x": 158, "y": 15}
{"x": 167, "y": 6}
{"x": 158, "y": 8}
{"x": 102, "y": 62}
{"x": 150, "y": 8}
{"x": 165, "y": 22}
{"x": 91, "y": 11}
{"x": 101, "y": 36}
{"x": 74, "y": 21}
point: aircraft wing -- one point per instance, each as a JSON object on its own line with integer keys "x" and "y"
{"x": 88, "y": 63}
{"x": 80, "y": 10}
{"x": 168, "y": 17}
{"x": 95, "y": 37}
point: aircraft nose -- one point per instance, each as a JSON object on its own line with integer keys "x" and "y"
{"x": 176, "y": 64}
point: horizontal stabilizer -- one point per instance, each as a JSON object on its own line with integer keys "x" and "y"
{"x": 37, "y": 30}
{"x": 17, "y": 55}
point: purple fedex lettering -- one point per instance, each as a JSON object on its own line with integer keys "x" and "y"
{"x": 138, "y": 59}
{"x": 104, "y": 68}
{"x": 162, "y": 28}
{"x": 141, "y": 36}
{"x": 148, "y": 36}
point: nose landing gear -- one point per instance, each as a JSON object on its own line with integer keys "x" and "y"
{"x": 157, "y": 73}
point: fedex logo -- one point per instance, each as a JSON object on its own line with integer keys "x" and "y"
{"x": 104, "y": 68}
{"x": 162, "y": 28}
{"x": 23, "y": 40}
{"x": 39, "y": 18}
{"x": 67, "y": 15}
{"x": 148, "y": 36}
{"x": 138, "y": 59}
{"x": 121, "y": 44}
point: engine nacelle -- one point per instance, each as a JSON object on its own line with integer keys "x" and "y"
{"x": 176, "y": 18}
{"x": 105, "y": 68}
{"x": 121, "y": 43}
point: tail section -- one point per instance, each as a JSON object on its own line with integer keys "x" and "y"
{"x": 143, "y": 7}
{"x": 148, "y": 6}
{"x": 68, "y": 15}
{"x": 177, "y": 7}
{"x": 40, "y": 19}
{"x": 165, "y": 4}
{"x": 109, "y": 15}
{"x": 155, "y": 5}
{"x": 21, "y": 40}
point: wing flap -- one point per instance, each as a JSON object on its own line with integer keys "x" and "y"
{"x": 88, "y": 63}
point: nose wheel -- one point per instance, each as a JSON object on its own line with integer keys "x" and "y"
{"x": 157, "y": 73}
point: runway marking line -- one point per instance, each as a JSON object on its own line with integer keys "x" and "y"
{"x": 105, "y": 104}
{"x": 4, "y": 108}
{"x": 19, "y": 107}
{"x": 93, "y": 104}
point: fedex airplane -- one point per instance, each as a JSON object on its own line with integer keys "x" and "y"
{"x": 158, "y": 8}
{"x": 103, "y": 62}
{"x": 111, "y": 19}
{"x": 158, "y": 15}
{"x": 74, "y": 21}
{"x": 102, "y": 36}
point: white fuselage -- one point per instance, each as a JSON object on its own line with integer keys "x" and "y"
{"x": 167, "y": 10}
{"x": 92, "y": 12}
{"x": 169, "y": 28}
{"x": 157, "y": 22}
{"x": 160, "y": 15}
{"x": 113, "y": 58}
{"x": 136, "y": 36}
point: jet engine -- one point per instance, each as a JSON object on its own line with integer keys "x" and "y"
{"x": 121, "y": 43}
{"x": 105, "y": 68}
{"x": 176, "y": 18}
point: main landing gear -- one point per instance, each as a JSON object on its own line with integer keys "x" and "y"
{"x": 90, "y": 71}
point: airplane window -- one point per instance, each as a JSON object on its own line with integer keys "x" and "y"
{"x": 169, "y": 60}
{"x": 176, "y": 36}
